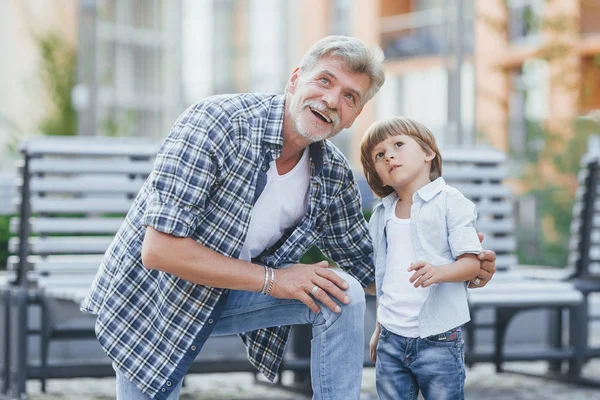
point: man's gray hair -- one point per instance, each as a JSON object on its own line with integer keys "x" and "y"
{"x": 359, "y": 59}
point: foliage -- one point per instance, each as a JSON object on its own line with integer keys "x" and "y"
{"x": 4, "y": 236}
{"x": 58, "y": 74}
{"x": 314, "y": 255}
{"x": 123, "y": 127}
{"x": 554, "y": 197}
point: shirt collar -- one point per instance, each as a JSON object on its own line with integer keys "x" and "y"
{"x": 274, "y": 129}
{"x": 431, "y": 190}
{"x": 426, "y": 193}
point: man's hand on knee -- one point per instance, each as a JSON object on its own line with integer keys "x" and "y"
{"x": 307, "y": 282}
{"x": 487, "y": 269}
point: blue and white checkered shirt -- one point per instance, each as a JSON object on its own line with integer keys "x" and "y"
{"x": 205, "y": 181}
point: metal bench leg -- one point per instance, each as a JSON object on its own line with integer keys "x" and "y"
{"x": 555, "y": 336}
{"x": 4, "y": 383}
{"x": 18, "y": 370}
{"x": 503, "y": 317}
{"x": 44, "y": 343}
{"x": 578, "y": 334}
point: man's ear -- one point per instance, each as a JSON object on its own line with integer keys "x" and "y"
{"x": 293, "y": 80}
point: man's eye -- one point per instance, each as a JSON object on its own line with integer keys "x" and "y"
{"x": 351, "y": 98}
{"x": 324, "y": 80}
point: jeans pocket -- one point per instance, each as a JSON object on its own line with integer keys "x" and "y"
{"x": 384, "y": 334}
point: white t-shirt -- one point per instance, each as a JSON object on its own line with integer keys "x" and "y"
{"x": 281, "y": 205}
{"x": 400, "y": 302}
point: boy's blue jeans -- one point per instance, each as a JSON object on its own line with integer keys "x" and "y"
{"x": 434, "y": 365}
{"x": 337, "y": 347}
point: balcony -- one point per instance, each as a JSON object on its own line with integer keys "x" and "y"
{"x": 524, "y": 21}
{"x": 590, "y": 15}
{"x": 422, "y": 34}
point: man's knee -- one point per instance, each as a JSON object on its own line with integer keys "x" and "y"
{"x": 355, "y": 290}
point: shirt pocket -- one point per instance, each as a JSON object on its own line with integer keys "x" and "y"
{"x": 433, "y": 232}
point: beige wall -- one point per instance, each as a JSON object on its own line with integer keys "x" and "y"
{"x": 491, "y": 80}
{"x": 22, "y": 98}
{"x": 565, "y": 70}
{"x": 365, "y": 26}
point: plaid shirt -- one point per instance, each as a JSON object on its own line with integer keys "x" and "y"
{"x": 208, "y": 174}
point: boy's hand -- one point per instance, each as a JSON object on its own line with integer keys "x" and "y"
{"x": 425, "y": 274}
{"x": 373, "y": 343}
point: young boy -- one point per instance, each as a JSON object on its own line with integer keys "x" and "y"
{"x": 425, "y": 253}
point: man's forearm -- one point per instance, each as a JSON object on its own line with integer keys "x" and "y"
{"x": 189, "y": 260}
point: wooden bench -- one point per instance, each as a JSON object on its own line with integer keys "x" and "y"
{"x": 76, "y": 191}
{"x": 480, "y": 174}
{"x": 74, "y": 194}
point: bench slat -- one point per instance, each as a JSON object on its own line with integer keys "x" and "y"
{"x": 64, "y": 245}
{"x": 85, "y": 263}
{"x": 84, "y": 166}
{"x": 77, "y": 206}
{"x": 87, "y": 184}
{"x": 456, "y": 173}
{"x": 90, "y": 146}
{"x": 70, "y": 225}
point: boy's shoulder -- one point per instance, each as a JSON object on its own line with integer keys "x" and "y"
{"x": 451, "y": 192}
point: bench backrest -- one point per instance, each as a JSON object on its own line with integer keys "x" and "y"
{"x": 74, "y": 195}
{"x": 480, "y": 175}
{"x": 76, "y": 192}
{"x": 584, "y": 242}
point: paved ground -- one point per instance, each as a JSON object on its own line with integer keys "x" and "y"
{"x": 482, "y": 383}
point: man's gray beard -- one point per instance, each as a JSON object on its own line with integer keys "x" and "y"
{"x": 304, "y": 132}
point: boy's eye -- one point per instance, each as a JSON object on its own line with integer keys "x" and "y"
{"x": 398, "y": 144}
{"x": 378, "y": 155}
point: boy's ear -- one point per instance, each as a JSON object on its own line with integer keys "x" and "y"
{"x": 429, "y": 157}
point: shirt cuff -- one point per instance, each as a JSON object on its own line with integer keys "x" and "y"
{"x": 170, "y": 219}
{"x": 464, "y": 241}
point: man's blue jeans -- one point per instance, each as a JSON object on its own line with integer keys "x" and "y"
{"x": 435, "y": 365}
{"x": 337, "y": 347}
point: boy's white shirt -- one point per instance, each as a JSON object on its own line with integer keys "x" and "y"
{"x": 400, "y": 302}
{"x": 442, "y": 227}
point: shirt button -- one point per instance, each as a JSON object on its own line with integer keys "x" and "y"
{"x": 163, "y": 390}
{"x": 226, "y": 291}
{"x": 168, "y": 383}
{"x": 193, "y": 348}
{"x": 264, "y": 168}
{"x": 210, "y": 321}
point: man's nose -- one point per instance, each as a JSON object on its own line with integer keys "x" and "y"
{"x": 331, "y": 99}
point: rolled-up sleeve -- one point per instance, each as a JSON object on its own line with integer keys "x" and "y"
{"x": 185, "y": 170}
{"x": 462, "y": 235}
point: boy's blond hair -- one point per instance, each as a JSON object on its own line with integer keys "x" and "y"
{"x": 381, "y": 130}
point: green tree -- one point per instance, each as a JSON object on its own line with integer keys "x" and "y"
{"x": 58, "y": 75}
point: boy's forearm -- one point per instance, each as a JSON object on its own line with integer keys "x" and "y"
{"x": 462, "y": 270}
